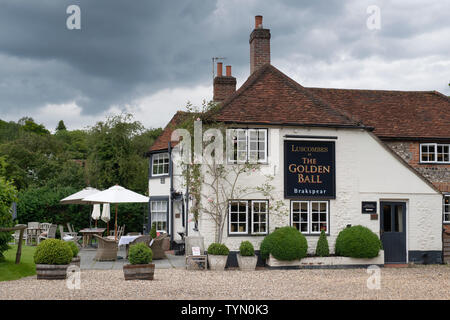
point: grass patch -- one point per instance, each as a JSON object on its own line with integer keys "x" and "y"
{"x": 9, "y": 270}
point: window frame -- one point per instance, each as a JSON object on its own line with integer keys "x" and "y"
{"x": 252, "y": 222}
{"x": 309, "y": 216}
{"x": 166, "y": 212}
{"x": 249, "y": 218}
{"x": 158, "y": 155}
{"x": 443, "y": 209}
{"x": 435, "y": 153}
{"x": 247, "y": 146}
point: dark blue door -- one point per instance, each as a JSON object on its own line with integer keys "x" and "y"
{"x": 393, "y": 231}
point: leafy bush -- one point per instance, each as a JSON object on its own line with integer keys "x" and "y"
{"x": 153, "y": 231}
{"x": 140, "y": 253}
{"x": 285, "y": 243}
{"x": 218, "y": 249}
{"x": 246, "y": 249}
{"x": 53, "y": 251}
{"x": 322, "y": 249}
{"x": 7, "y": 197}
{"x": 357, "y": 242}
{"x": 73, "y": 247}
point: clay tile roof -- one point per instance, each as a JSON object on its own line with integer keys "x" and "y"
{"x": 393, "y": 114}
{"x": 269, "y": 96}
{"x": 162, "y": 142}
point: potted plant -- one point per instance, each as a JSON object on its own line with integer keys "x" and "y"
{"x": 322, "y": 249}
{"x": 246, "y": 257}
{"x": 76, "y": 258}
{"x": 140, "y": 268}
{"x": 217, "y": 256}
{"x": 52, "y": 257}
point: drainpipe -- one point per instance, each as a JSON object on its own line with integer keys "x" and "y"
{"x": 187, "y": 206}
{"x": 171, "y": 191}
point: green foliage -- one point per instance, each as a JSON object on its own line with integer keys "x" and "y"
{"x": 153, "y": 231}
{"x": 8, "y": 195}
{"x": 322, "y": 249}
{"x": 61, "y": 126}
{"x": 140, "y": 253}
{"x": 30, "y": 126}
{"x": 53, "y": 251}
{"x": 357, "y": 242}
{"x": 5, "y": 237}
{"x": 285, "y": 243}
{"x": 246, "y": 249}
{"x": 218, "y": 249}
{"x": 73, "y": 247}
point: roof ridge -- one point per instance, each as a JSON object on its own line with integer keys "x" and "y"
{"x": 377, "y": 90}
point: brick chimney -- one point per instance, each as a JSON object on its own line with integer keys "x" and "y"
{"x": 224, "y": 86}
{"x": 259, "y": 45}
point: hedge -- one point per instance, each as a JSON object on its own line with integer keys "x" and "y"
{"x": 285, "y": 243}
{"x": 357, "y": 242}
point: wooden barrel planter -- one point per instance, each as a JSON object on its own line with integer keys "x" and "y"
{"x": 76, "y": 261}
{"x": 139, "y": 271}
{"x": 51, "y": 271}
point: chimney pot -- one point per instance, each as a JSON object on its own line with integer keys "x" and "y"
{"x": 258, "y": 22}
{"x": 228, "y": 71}
{"x": 219, "y": 69}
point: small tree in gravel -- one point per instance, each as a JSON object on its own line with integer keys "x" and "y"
{"x": 322, "y": 249}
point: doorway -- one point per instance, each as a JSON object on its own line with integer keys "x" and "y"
{"x": 393, "y": 231}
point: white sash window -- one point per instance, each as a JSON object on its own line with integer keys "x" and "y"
{"x": 247, "y": 145}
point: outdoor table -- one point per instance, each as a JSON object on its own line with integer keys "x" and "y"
{"x": 33, "y": 233}
{"x": 87, "y": 234}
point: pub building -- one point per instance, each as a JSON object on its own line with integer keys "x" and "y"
{"x": 339, "y": 157}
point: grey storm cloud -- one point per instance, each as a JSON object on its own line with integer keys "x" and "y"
{"x": 128, "y": 49}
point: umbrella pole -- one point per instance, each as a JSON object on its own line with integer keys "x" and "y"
{"x": 95, "y": 224}
{"x": 107, "y": 228}
{"x": 115, "y": 227}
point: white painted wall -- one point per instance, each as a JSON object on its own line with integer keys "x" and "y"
{"x": 365, "y": 171}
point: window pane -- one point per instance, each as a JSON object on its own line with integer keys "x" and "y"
{"x": 387, "y": 218}
{"x": 398, "y": 219}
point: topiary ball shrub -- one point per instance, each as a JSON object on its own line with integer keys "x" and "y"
{"x": 218, "y": 249}
{"x": 73, "y": 247}
{"x": 357, "y": 242}
{"x": 285, "y": 243}
{"x": 322, "y": 249}
{"x": 140, "y": 253}
{"x": 246, "y": 249}
{"x": 53, "y": 251}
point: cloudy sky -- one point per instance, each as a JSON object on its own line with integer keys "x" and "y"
{"x": 150, "y": 57}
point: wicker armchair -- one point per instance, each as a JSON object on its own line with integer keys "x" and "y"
{"x": 107, "y": 249}
{"x": 141, "y": 239}
{"x": 160, "y": 244}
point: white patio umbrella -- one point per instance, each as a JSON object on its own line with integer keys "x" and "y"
{"x": 106, "y": 215}
{"x": 96, "y": 213}
{"x": 77, "y": 198}
{"x": 117, "y": 194}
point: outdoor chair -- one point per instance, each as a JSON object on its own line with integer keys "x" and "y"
{"x": 51, "y": 234}
{"x": 32, "y": 234}
{"x": 73, "y": 233}
{"x": 44, "y": 226}
{"x": 142, "y": 239}
{"x": 195, "y": 262}
{"x": 120, "y": 231}
{"x": 16, "y": 235}
{"x": 107, "y": 249}
{"x": 160, "y": 244}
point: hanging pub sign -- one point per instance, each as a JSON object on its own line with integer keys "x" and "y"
{"x": 309, "y": 169}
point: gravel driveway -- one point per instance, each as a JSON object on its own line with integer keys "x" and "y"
{"x": 420, "y": 282}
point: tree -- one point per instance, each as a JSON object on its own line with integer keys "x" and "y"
{"x": 29, "y": 125}
{"x": 61, "y": 126}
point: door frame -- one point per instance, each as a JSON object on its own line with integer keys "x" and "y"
{"x": 406, "y": 203}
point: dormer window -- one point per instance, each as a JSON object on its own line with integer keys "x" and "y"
{"x": 247, "y": 145}
{"x": 434, "y": 153}
{"x": 160, "y": 164}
